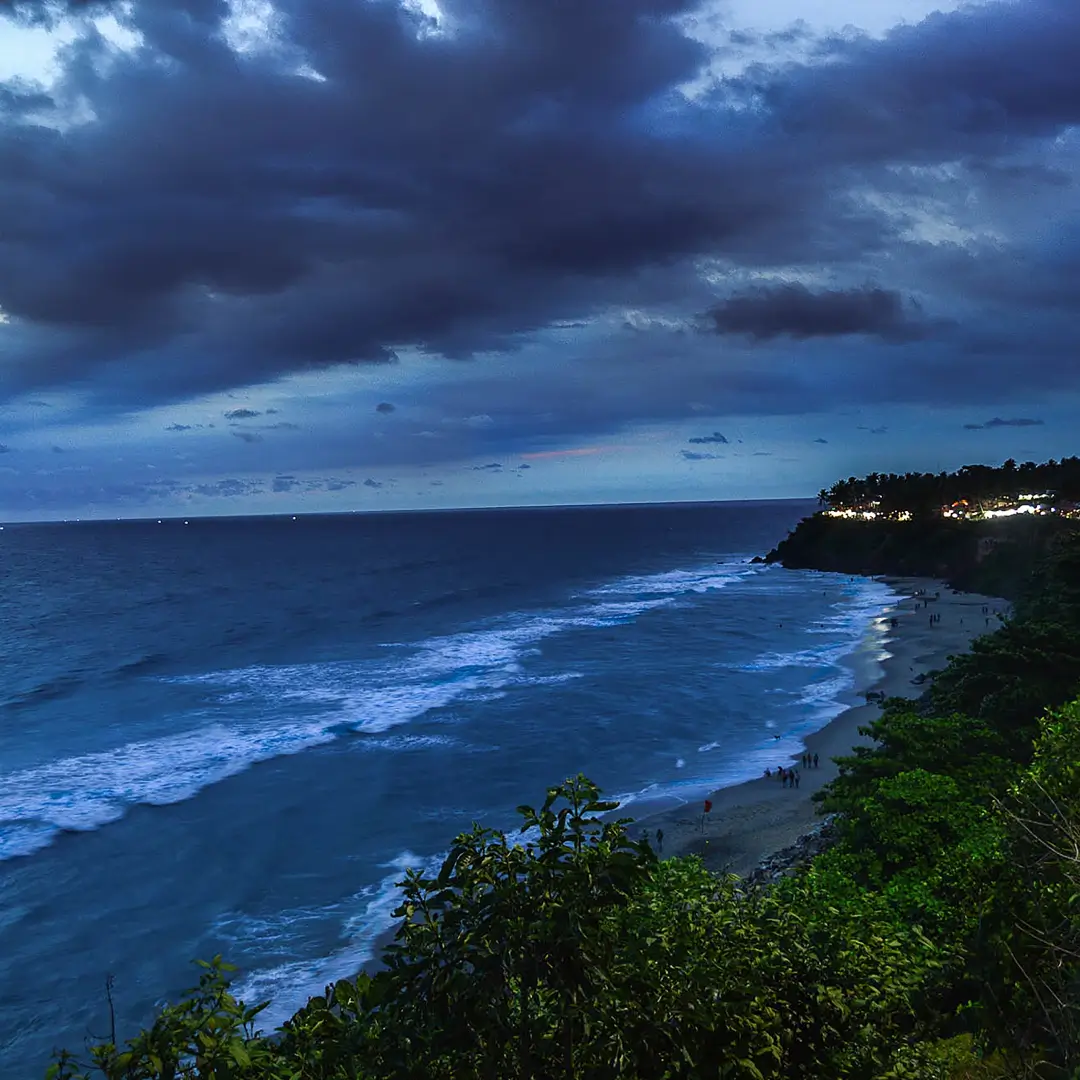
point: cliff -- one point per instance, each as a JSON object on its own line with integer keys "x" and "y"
{"x": 994, "y": 557}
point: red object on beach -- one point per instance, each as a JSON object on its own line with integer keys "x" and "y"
{"x": 708, "y": 805}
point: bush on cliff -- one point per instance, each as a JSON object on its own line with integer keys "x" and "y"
{"x": 575, "y": 954}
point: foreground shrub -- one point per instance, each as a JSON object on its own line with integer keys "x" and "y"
{"x": 574, "y": 953}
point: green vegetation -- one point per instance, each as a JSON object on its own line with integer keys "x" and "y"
{"x": 925, "y": 494}
{"x": 940, "y": 937}
{"x": 902, "y": 529}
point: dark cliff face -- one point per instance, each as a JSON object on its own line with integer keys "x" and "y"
{"x": 992, "y": 557}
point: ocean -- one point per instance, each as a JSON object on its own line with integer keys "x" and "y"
{"x": 234, "y": 735}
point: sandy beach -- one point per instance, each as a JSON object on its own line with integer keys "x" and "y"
{"x": 752, "y": 820}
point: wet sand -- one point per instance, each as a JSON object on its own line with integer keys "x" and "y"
{"x": 752, "y": 820}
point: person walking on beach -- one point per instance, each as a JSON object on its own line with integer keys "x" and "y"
{"x": 815, "y": 761}
{"x": 660, "y": 841}
{"x": 798, "y": 777}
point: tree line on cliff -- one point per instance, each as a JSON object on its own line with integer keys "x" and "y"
{"x": 939, "y": 938}
{"x": 924, "y": 494}
{"x": 998, "y": 557}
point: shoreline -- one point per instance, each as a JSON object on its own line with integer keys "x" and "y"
{"x": 752, "y": 820}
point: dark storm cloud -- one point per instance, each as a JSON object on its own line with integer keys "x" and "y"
{"x": 531, "y": 168}
{"x": 248, "y": 436}
{"x": 715, "y": 437}
{"x": 694, "y": 455}
{"x": 242, "y": 414}
{"x": 998, "y": 422}
{"x": 956, "y": 84}
{"x": 178, "y": 427}
{"x": 795, "y": 311}
{"x": 824, "y": 442}
{"x": 487, "y": 468}
{"x": 384, "y": 407}
{"x": 446, "y": 191}
{"x": 372, "y": 483}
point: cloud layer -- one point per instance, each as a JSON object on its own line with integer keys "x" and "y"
{"x": 865, "y": 221}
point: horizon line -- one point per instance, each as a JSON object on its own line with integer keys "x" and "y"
{"x": 372, "y": 511}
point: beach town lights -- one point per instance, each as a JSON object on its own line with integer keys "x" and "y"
{"x": 963, "y": 510}
{"x": 845, "y": 512}
{"x": 863, "y": 514}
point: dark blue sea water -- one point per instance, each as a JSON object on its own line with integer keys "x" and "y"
{"x": 234, "y": 735}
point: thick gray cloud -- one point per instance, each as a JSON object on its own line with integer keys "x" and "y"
{"x": 998, "y": 422}
{"x": 224, "y": 221}
{"x": 447, "y": 191}
{"x": 795, "y": 311}
{"x": 715, "y": 437}
{"x": 695, "y": 455}
{"x": 450, "y": 192}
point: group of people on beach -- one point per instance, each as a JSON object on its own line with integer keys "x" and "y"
{"x": 935, "y": 619}
{"x": 791, "y": 777}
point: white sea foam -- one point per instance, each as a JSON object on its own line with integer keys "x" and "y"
{"x": 846, "y": 626}
{"x": 362, "y": 918}
{"x": 494, "y": 655}
{"x": 675, "y": 582}
{"x": 821, "y": 701}
{"x": 816, "y": 703}
{"x": 321, "y": 702}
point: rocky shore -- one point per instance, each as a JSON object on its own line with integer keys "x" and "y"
{"x": 790, "y": 860}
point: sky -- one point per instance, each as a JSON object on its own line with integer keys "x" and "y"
{"x": 322, "y": 255}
